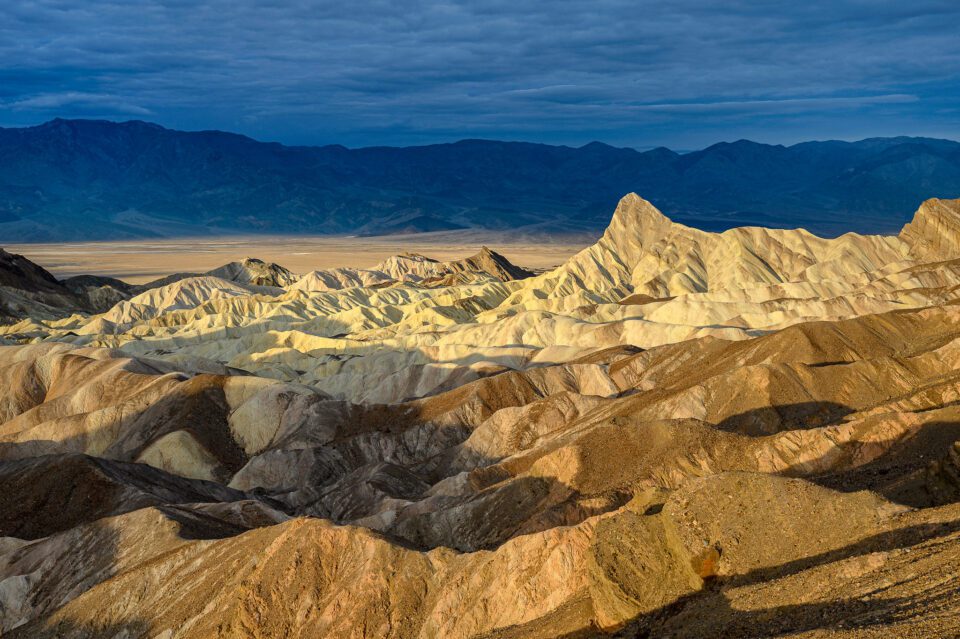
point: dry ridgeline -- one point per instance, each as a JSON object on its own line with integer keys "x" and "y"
{"x": 673, "y": 434}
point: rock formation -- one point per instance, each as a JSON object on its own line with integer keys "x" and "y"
{"x": 675, "y": 433}
{"x": 27, "y": 290}
{"x": 250, "y": 270}
{"x": 413, "y": 268}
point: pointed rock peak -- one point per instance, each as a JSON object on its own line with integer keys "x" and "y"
{"x": 487, "y": 254}
{"x": 633, "y": 202}
{"x": 492, "y": 263}
{"x": 252, "y": 270}
{"x": 934, "y": 233}
{"x": 417, "y": 257}
{"x": 636, "y": 217}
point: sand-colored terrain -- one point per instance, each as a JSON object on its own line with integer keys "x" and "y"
{"x": 138, "y": 262}
{"x": 674, "y": 433}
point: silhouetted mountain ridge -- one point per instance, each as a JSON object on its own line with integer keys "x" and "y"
{"x": 84, "y": 179}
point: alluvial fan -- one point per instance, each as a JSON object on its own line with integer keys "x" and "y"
{"x": 676, "y": 433}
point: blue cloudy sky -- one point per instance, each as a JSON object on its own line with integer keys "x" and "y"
{"x": 680, "y": 73}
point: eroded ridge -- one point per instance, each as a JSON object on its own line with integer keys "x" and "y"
{"x": 675, "y": 433}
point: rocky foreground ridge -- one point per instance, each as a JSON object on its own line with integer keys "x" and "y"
{"x": 675, "y": 433}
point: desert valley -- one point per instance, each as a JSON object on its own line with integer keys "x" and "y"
{"x": 672, "y": 433}
{"x": 479, "y": 319}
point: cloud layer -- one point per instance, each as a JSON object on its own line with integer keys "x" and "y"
{"x": 684, "y": 73}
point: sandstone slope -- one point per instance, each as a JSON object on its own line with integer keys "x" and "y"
{"x": 676, "y": 433}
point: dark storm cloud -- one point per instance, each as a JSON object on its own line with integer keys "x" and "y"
{"x": 682, "y": 73}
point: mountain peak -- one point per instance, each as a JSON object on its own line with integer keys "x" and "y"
{"x": 493, "y": 263}
{"x": 596, "y": 145}
{"x": 634, "y": 210}
{"x": 252, "y": 270}
{"x": 934, "y": 232}
{"x": 636, "y": 223}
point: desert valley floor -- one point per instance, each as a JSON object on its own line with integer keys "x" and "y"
{"x": 672, "y": 433}
{"x": 141, "y": 261}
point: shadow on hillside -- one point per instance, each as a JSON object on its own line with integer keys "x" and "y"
{"x": 407, "y": 435}
{"x": 66, "y": 507}
{"x": 47, "y": 486}
{"x": 48, "y": 494}
{"x": 905, "y": 471}
{"x": 66, "y": 576}
{"x": 769, "y": 420}
{"x": 68, "y": 629}
{"x": 708, "y": 613}
{"x": 911, "y": 472}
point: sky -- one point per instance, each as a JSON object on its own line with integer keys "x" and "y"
{"x": 678, "y": 73}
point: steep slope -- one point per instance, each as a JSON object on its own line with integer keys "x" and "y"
{"x": 313, "y": 579}
{"x": 186, "y": 293}
{"x": 491, "y": 263}
{"x": 645, "y": 254}
{"x": 52, "y": 493}
{"x": 526, "y": 450}
{"x": 256, "y": 272}
{"x": 676, "y": 433}
{"x": 934, "y": 233}
{"x": 27, "y": 290}
{"x": 249, "y": 270}
{"x": 647, "y": 282}
{"x": 100, "y": 293}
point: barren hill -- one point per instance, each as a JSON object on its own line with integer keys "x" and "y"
{"x": 678, "y": 433}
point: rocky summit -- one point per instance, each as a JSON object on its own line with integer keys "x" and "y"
{"x": 675, "y": 433}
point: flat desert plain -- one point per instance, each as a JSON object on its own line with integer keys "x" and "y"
{"x": 140, "y": 261}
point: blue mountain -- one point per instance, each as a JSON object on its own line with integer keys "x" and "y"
{"x": 86, "y": 179}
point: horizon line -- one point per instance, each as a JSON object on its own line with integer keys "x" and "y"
{"x": 642, "y": 149}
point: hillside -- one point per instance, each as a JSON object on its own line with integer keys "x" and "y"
{"x": 82, "y": 179}
{"x": 752, "y": 433}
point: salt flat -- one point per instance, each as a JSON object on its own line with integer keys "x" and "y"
{"x": 139, "y": 261}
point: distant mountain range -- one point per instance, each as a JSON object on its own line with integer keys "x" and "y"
{"x": 84, "y": 179}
